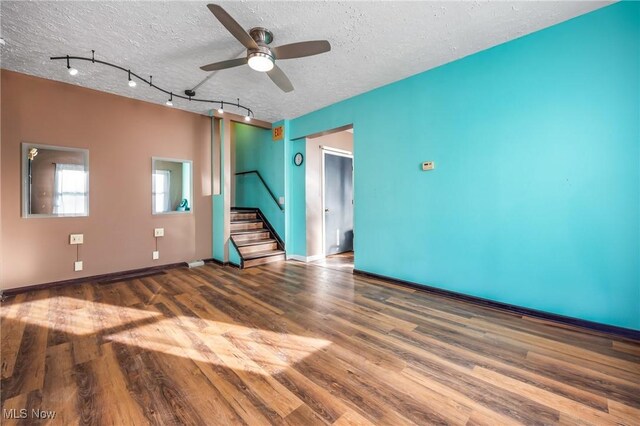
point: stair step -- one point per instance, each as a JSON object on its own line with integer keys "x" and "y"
{"x": 246, "y": 225}
{"x": 255, "y": 242}
{"x": 248, "y": 263}
{"x": 257, "y": 234}
{"x": 243, "y": 212}
{"x": 240, "y": 215}
{"x": 257, "y": 248}
{"x": 261, "y": 254}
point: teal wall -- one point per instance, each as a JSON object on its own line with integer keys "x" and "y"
{"x": 297, "y": 206}
{"x": 255, "y": 150}
{"x": 535, "y": 199}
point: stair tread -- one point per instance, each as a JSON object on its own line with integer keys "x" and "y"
{"x": 255, "y": 242}
{"x": 249, "y": 231}
{"x": 265, "y": 253}
{"x": 246, "y": 221}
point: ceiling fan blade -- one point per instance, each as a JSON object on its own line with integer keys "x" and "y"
{"x": 232, "y": 26}
{"x": 301, "y": 49}
{"x": 216, "y": 66}
{"x": 280, "y": 79}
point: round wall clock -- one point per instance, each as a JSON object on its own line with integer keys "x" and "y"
{"x": 298, "y": 158}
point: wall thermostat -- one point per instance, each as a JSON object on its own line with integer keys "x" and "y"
{"x": 428, "y": 165}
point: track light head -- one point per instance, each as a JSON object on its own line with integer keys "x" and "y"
{"x": 131, "y": 82}
{"x": 169, "y": 103}
{"x": 72, "y": 71}
{"x": 247, "y": 117}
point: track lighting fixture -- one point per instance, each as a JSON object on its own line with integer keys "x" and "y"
{"x": 72, "y": 71}
{"x": 190, "y": 94}
{"x": 131, "y": 82}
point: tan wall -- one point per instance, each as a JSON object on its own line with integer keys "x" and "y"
{"x": 121, "y": 135}
{"x": 313, "y": 177}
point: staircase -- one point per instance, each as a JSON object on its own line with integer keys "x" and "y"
{"x": 254, "y": 238}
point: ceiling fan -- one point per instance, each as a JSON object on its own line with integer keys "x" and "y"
{"x": 260, "y": 56}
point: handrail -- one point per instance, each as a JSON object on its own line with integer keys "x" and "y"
{"x": 273, "y": 196}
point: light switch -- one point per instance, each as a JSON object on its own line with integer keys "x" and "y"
{"x": 281, "y": 200}
{"x": 77, "y": 266}
{"x": 76, "y": 239}
{"x": 158, "y": 232}
{"x": 155, "y": 255}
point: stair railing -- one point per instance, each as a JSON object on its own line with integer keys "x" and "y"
{"x": 257, "y": 173}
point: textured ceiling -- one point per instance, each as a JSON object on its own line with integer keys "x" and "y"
{"x": 373, "y": 43}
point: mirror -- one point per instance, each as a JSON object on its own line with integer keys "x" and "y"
{"x": 55, "y": 181}
{"x": 171, "y": 186}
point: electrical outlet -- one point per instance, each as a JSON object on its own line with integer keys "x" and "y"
{"x": 428, "y": 165}
{"x": 77, "y": 266}
{"x": 156, "y": 255}
{"x": 76, "y": 239}
{"x": 281, "y": 201}
{"x": 158, "y": 232}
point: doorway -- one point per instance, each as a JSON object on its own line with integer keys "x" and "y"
{"x": 337, "y": 201}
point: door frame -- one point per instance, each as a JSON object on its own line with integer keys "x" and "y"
{"x": 339, "y": 153}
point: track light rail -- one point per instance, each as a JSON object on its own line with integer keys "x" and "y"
{"x": 130, "y": 73}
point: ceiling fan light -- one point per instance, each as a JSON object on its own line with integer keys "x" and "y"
{"x": 261, "y": 62}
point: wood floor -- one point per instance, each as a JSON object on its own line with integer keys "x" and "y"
{"x": 300, "y": 344}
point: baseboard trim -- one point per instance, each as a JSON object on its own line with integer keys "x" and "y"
{"x": 216, "y": 261}
{"x": 626, "y": 333}
{"x": 221, "y": 263}
{"x": 96, "y": 279}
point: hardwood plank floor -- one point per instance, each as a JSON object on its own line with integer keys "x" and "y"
{"x": 295, "y": 343}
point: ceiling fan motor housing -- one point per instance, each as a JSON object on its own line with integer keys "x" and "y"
{"x": 261, "y": 58}
{"x": 262, "y": 36}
